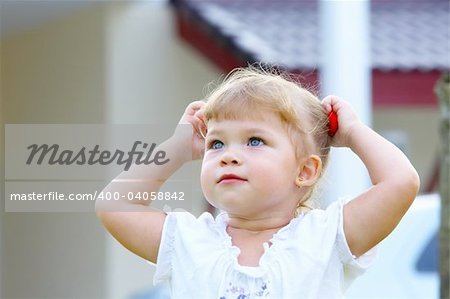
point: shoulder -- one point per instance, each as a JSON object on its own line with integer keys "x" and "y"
{"x": 326, "y": 227}
{"x": 328, "y": 217}
{"x": 319, "y": 229}
{"x": 186, "y": 239}
{"x": 186, "y": 218}
{"x": 189, "y": 226}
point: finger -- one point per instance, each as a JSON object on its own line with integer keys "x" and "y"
{"x": 332, "y": 103}
{"x": 327, "y": 107}
{"x": 333, "y": 100}
{"x": 199, "y": 113}
{"x": 194, "y": 107}
{"x": 197, "y": 105}
{"x": 326, "y": 103}
{"x": 200, "y": 126}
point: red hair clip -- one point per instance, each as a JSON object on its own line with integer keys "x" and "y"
{"x": 332, "y": 123}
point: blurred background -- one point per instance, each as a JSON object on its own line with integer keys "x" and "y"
{"x": 139, "y": 62}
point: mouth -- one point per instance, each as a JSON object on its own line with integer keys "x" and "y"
{"x": 230, "y": 178}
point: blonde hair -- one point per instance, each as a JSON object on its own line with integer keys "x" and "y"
{"x": 249, "y": 92}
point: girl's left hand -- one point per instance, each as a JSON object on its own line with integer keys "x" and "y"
{"x": 347, "y": 119}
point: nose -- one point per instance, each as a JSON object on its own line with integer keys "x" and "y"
{"x": 230, "y": 157}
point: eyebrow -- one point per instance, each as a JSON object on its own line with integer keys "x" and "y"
{"x": 252, "y": 130}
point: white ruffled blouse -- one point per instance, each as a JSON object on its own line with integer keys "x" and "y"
{"x": 308, "y": 258}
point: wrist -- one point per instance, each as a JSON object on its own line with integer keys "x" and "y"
{"x": 178, "y": 149}
{"x": 355, "y": 132}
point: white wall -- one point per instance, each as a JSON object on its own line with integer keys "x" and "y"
{"x": 53, "y": 74}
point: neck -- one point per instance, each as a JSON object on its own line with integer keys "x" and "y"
{"x": 260, "y": 224}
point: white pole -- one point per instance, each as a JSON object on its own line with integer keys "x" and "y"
{"x": 346, "y": 72}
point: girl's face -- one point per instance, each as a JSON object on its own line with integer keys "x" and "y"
{"x": 249, "y": 167}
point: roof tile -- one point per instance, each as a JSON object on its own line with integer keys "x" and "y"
{"x": 405, "y": 35}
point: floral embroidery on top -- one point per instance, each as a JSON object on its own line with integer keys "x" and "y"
{"x": 237, "y": 292}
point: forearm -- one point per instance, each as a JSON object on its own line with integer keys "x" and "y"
{"x": 143, "y": 178}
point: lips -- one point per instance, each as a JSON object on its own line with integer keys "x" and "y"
{"x": 229, "y": 177}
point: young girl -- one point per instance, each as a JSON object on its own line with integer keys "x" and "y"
{"x": 266, "y": 145}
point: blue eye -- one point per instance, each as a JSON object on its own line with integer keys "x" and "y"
{"x": 216, "y": 144}
{"x": 255, "y": 141}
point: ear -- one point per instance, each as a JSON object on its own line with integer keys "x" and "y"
{"x": 309, "y": 171}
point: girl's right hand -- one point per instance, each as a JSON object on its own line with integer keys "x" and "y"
{"x": 193, "y": 115}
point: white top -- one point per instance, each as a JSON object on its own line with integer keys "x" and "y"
{"x": 308, "y": 258}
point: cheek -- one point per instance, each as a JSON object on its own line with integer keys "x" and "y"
{"x": 277, "y": 172}
{"x": 206, "y": 176}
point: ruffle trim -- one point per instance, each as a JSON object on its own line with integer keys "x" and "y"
{"x": 166, "y": 250}
{"x": 278, "y": 242}
{"x": 347, "y": 258}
